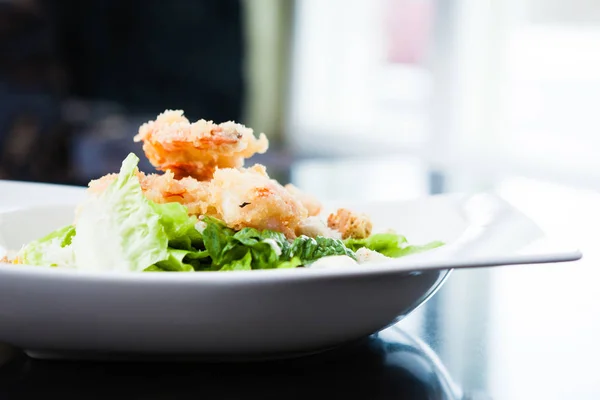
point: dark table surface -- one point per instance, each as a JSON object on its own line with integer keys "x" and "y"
{"x": 391, "y": 364}
{"x": 517, "y": 332}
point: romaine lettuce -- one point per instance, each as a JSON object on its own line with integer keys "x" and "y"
{"x": 250, "y": 248}
{"x": 310, "y": 249}
{"x": 53, "y": 249}
{"x": 121, "y": 229}
{"x": 390, "y": 245}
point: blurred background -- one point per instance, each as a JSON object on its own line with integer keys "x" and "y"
{"x": 424, "y": 86}
{"x": 361, "y": 100}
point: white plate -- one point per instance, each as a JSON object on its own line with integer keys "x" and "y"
{"x": 249, "y": 314}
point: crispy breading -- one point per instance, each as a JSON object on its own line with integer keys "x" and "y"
{"x": 203, "y": 164}
{"x": 197, "y": 149}
{"x": 241, "y": 197}
{"x": 313, "y": 206}
{"x": 249, "y": 198}
{"x": 350, "y": 224}
{"x": 194, "y": 194}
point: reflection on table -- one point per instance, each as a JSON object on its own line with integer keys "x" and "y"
{"x": 391, "y": 364}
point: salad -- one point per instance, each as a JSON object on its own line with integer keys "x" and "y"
{"x": 206, "y": 212}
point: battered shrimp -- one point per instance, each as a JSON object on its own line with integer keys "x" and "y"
{"x": 313, "y": 206}
{"x": 244, "y": 197}
{"x": 203, "y": 170}
{"x": 249, "y": 198}
{"x": 197, "y": 149}
{"x": 193, "y": 194}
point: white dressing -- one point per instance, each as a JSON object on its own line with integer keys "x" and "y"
{"x": 274, "y": 245}
{"x": 333, "y": 262}
{"x": 365, "y": 255}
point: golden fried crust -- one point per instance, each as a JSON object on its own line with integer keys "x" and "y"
{"x": 249, "y": 198}
{"x": 349, "y": 224}
{"x": 203, "y": 170}
{"x": 166, "y": 189}
{"x": 312, "y": 205}
{"x": 99, "y": 185}
{"x": 195, "y": 195}
{"x": 244, "y": 197}
{"x": 197, "y": 149}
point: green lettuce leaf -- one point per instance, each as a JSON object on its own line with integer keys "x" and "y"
{"x": 413, "y": 249}
{"x": 154, "y": 268}
{"x": 53, "y": 249}
{"x": 390, "y": 245}
{"x": 120, "y": 229}
{"x": 178, "y": 226}
{"x": 266, "y": 247}
{"x": 239, "y": 264}
{"x": 245, "y": 249}
{"x": 311, "y": 249}
{"x": 176, "y": 262}
{"x": 293, "y": 263}
{"x": 250, "y": 248}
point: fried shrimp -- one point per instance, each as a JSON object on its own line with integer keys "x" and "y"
{"x": 203, "y": 170}
{"x": 250, "y": 198}
{"x": 193, "y": 194}
{"x": 197, "y": 149}
{"x": 313, "y": 206}
{"x": 241, "y": 197}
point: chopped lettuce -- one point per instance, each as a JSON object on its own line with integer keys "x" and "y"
{"x": 120, "y": 229}
{"x": 390, "y": 245}
{"x": 53, "y": 249}
{"x": 178, "y": 261}
{"x": 310, "y": 249}
{"x": 250, "y": 248}
{"x": 178, "y": 225}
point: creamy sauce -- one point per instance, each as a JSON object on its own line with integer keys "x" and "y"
{"x": 200, "y": 226}
{"x": 333, "y": 262}
{"x": 315, "y": 226}
{"x": 274, "y": 245}
{"x": 363, "y": 255}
